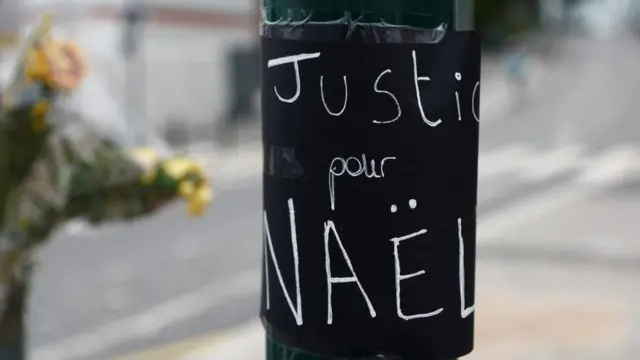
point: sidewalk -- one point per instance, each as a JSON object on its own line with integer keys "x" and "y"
{"x": 562, "y": 286}
{"x": 240, "y": 343}
{"x": 576, "y": 269}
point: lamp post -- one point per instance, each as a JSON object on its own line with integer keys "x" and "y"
{"x": 11, "y": 21}
{"x": 335, "y": 21}
{"x": 132, "y": 36}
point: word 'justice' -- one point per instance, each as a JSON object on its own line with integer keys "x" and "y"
{"x": 295, "y": 60}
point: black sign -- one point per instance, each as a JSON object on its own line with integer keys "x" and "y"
{"x": 370, "y": 191}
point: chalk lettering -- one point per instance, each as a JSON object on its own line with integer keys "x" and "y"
{"x": 354, "y": 168}
{"x": 324, "y": 101}
{"x": 416, "y": 81}
{"x": 296, "y": 59}
{"x": 400, "y": 277}
{"x": 382, "y": 163}
{"x": 351, "y": 160}
{"x": 377, "y": 90}
{"x": 397, "y": 252}
{"x": 297, "y": 310}
{"x": 373, "y": 173}
{"x": 287, "y": 60}
{"x": 474, "y": 100}
{"x": 329, "y": 227}
{"x": 458, "y": 77}
{"x": 464, "y": 311}
{"x": 333, "y": 172}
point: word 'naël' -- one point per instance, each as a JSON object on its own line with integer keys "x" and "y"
{"x": 330, "y": 232}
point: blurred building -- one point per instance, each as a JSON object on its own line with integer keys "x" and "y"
{"x": 166, "y": 63}
{"x": 10, "y": 21}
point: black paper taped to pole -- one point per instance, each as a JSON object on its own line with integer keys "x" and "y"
{"x": 410, "y": 185}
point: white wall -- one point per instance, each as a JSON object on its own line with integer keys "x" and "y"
{"x": 9, "y": 16}
{"x": 178, "y": 71}
{"x": 186, "y": 71}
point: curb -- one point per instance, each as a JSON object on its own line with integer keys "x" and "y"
{"x": 244, "y": 342}
{"x": 522, "y": 320}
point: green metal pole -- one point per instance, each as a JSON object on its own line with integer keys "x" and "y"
{"x": 427, "y": 14}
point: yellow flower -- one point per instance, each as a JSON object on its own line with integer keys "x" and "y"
{"x": 193, "y": 183}
{"x": 190, "y": 178}
{"x": 59, "y": 64}
{"x": 39, "y": 111}
{"x": 198, "y": 201}
{"x": 37, "y": 66}
{"x": 186, "y": 189}
{"x": 149, "y": 158}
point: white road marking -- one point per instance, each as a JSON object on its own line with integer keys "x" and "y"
{"x": 607, "y": 170}
{"x": 547, "y": 164}
{"x": 499, "y": 161}
{"x": 528, "y": 163}
{"x": 615, "y": 164}
{"x": 153, "y": 320}
{"x": 495, "y": 226}
{"x": 244, "y": 342}
{"x": 75, "y": 227}
{"x": 239, "y": 168}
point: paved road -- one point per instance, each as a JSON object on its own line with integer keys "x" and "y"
{"x": 96, "y": 277}
{"x": 128, "y": 287}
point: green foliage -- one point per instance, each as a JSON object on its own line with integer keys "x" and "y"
{"x": 496, "y": 20}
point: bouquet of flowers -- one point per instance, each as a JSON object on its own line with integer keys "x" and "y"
{"x": 55, "y": 166}
{"x": 70, "y": 167}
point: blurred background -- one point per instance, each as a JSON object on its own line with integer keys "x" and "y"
{"x": 559, "y": 199}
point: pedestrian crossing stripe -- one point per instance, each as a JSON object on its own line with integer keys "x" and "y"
{"x": 621, "y": 163}
{"x": 533, "y": 165}
{"x": 521, "y": 161}
{"x": 510, "y": 166}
